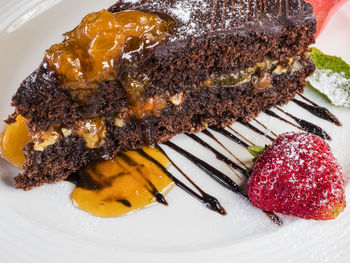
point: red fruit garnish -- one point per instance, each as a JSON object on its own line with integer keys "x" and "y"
{"x": 298, "y": 175}
{"x": 324, "y": 10}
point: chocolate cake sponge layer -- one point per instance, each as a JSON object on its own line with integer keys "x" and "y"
{"x": 226, "y": 42}
{"x": 204, "y": 107}
{"x": 44, "y": 104}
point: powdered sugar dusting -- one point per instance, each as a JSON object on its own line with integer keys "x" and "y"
{"x": 334, "y": 85}
{"x": 184, "y": 9}
{"x": 200, "y": 17}
{"x": 188, "y": 14}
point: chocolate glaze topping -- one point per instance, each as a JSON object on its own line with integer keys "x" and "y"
{"x": 207, "y": 18}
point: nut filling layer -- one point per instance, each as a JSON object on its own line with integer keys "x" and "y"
{"x": 259, "y": 75}
{"x": 94, "y": 130}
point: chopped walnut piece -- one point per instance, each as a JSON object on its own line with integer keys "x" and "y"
{"x": 93, "y": 131}
{"x": 262, "y": 82}
{"x": 45, "y": 138}
{"x": 176, "y": 99}
{"x": 119, "y": 122}
{"x": 66, "y": 132}
{"x": 279, "y": 70}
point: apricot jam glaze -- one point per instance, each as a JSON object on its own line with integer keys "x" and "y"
{"x": 92, "y": 52}
{"x": 109, "y": 188}
{"x": 12, "y": 141}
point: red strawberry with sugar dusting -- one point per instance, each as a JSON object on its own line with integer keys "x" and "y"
{"x": 298, "y": 175}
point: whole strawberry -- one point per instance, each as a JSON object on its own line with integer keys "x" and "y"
{"x": 298, "y": 175}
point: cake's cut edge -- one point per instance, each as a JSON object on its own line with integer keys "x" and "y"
{"x": 216, "y": 106}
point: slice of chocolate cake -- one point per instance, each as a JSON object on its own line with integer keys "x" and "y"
{"x": 146, "y": 70}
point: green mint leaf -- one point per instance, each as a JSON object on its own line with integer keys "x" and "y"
{"x": 336, "y": 64}
{"x": 331, "y": 78}
{"x": 256, "y": 150}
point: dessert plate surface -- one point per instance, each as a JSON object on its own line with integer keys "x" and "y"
{"x": 43, "y": 224}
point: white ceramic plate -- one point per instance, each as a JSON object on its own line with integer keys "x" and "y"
{"x": 43, "y": 225}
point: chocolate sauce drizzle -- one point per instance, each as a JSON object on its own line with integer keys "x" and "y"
{"x": 124, "y": 202}
{"x": 274, "y": 218}
{"x": 230, "y": 136}
{"x": 209, "y": 201}
{"x": 154, "y": 191}
{"x": 210, "y": 135}
{"x": 317, "y": 110}
{"x": 303, "y": 124}
{"x": 240, "y": 135}
{"x": 274, "y": 115}
{"x": 265, "y": 127}
{"x": 218, "y": 155}
{"x": 208, "y": 169}
{"x": 308, "y": 126}
{"x": 248, "y": 125}
{"x": 226, "y": 181}
{"x": 217, "y": 176}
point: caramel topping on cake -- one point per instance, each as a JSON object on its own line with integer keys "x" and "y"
{"x": 90, "y": 53}
{"x": 123, "y": 184}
